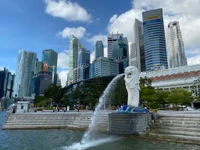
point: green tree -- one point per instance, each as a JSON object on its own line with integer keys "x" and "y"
{"x": 56, "y": 93}
{"x": 147, "y": 93}
{"x": 41, "y": 101}
{"x": 179, "y": 96}
{"x": 161, "y": 96}
{"x": 95, "y": 90}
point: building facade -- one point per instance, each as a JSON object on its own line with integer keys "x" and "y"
{"x": 154, "y": 40}
{"x": 139, "y": 45}
{"x": 175, "y": 46}
{"x": 75, "y": 45}
{"x": 49, "y": 58}
{"x": 83, "y": 64}
{"x": 132, "y": 54}
{"x": 110, "y": 39}
{"x": 24, "y": 72}
{"x": 105, "y": 67}
{"x": 120, "y": 53}
{"x": 40, "y": 82}
{"x": 99, "y": 49}
{"x": 6, "y": 83}
{"x": 38, "y": 66}
{"x": 179, "y": 77}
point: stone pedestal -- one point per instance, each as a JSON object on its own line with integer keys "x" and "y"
{"x": 128, "y": 123}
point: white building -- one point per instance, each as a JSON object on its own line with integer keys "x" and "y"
{"x": 22, "y": 107}
{"x": 175, "y": 46}
{"x": 179, "y": 77}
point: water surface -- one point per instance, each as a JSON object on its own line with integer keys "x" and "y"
{"x": 62, "y": 139}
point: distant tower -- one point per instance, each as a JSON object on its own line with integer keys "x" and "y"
{"x": 24, "y": 72}
{"x": 99, "y": 49}
{"x": 120, "y": 53}
{"x": 132, "y": 54}
{"x": 75, "y": 45}
{"x": 154, "y": 40}
{"x": 175, "y": 46}
{"x": 49, "y": 58}
{"x": 110, "y": 39}
{"x": 83, "y": 64}
{"x": 139, "y": 46}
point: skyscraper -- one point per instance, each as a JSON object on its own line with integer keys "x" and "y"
{"x": 49, "y": 58}
{"x": 154, "y": 40}
{"x": 75, "y": 45}
{"x": 132, "y": 54}
{"x": 99, "y": 49}
{"x": 105, "y": 67}
{"x": 110, "y": 39}
{"x": 139, "y": 45}
{"x": 120, "y": 53}
{"x": 175, "y": 46}
{"x": 6, "y": 83}
{"x": 83, "y": 64}
{"x": 24, "y": 72}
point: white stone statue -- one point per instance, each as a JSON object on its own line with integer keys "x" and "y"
{"x": 132, "y": 85}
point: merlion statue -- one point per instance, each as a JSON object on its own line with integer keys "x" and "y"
{"x": 132, "y": 85}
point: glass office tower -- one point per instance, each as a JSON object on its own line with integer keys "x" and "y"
{"x": 175, "y": 46}
{"x": 83, "y": 64}
{"x": 24, "y": 72}
{"x": 49, "y": 58}
{"x": 111, "y": 38}
{"x": 75, "y": 45}
{"x": 99, "y": 49}
{"x": 154, "y": 40}
{"x": 120, "y": 53}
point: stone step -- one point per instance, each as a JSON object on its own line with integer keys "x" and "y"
{"x": 176, "y": 138}
{"x": 180, "y": 118}
{"x": 176, "y": 124}
{"x": 194, "y": 129}
{"x": 176, "y": 132}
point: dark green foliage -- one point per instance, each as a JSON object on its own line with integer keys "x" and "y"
{"x": 56, "y": 93}
{"x": 119, "y": 96}
{"x": 179, "y": 96}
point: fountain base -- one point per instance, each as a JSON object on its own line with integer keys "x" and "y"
{"x": 128, "y": 123}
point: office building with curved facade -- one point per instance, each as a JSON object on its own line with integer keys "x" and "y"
{"x": 24, "y": 72}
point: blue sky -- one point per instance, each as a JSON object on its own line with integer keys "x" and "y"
{"x": 35, "y": 25}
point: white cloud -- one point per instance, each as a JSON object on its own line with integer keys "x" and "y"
{"x": 63, "y": 59}
{"x": 98, "y": 37}
{"x": 124, "y": 23}
{"x": 185, "y": 11}
{"x": 67, "y": 10}
{"x": 63, "y": 77}
{"x": 194, "y": 60}
{"x": 78, "y": 32}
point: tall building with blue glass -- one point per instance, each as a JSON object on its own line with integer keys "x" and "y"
{"x": 83, "y": 64}
{"x": 99, "y": 49}
{"x": 154, "y": 40}
{"x": 120, "y": 53}
{"x": 6, "y": 83}
{"x": 24, "y": 72}
{"x": 50, "y": 57}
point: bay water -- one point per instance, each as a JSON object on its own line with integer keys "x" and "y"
{"x": 63, "y": 139}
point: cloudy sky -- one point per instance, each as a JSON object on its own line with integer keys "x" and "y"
{"x": 35, "y": 25}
